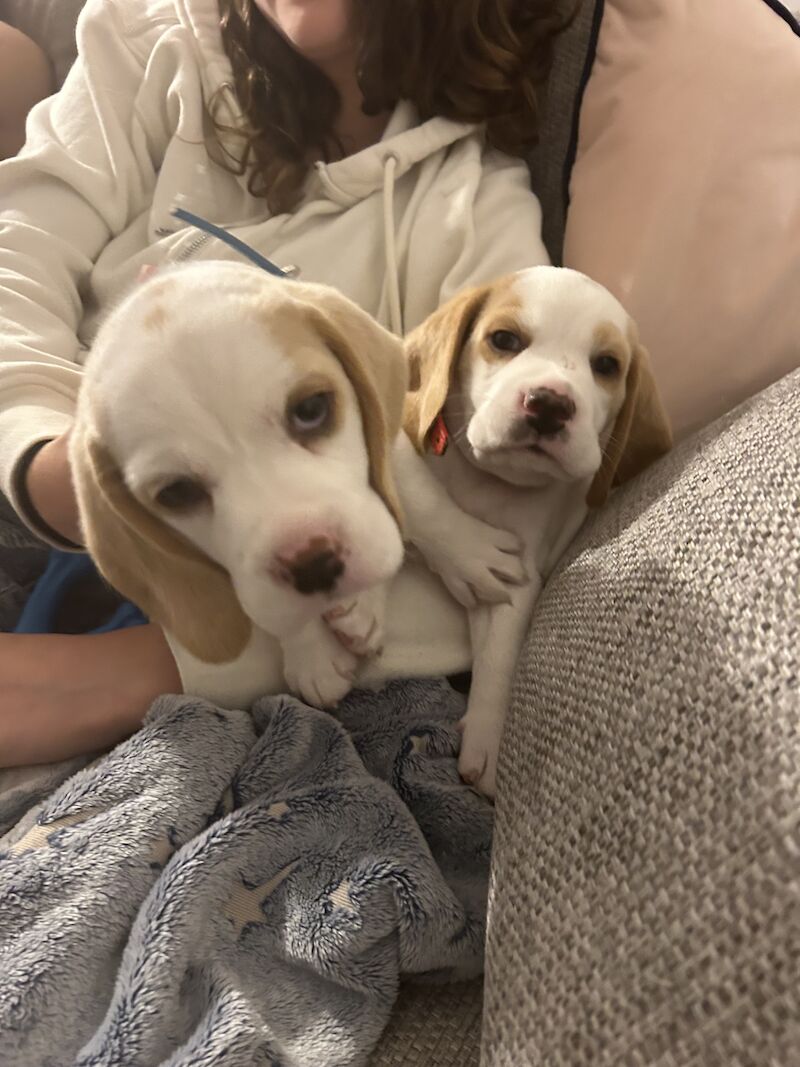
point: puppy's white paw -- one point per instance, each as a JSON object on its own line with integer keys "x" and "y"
{"x": 476, "y": 562}
{"x": 359, "y": 623}
{"x": 319, "y": 669}
{"x": 480, "y": 745}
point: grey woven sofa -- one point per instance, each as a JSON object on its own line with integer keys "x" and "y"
{"x": 645, "y": 899}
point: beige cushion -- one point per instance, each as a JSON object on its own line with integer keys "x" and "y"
{"x": 686, "y": 192}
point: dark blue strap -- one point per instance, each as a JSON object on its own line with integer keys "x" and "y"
{"x": 227, "y": 238}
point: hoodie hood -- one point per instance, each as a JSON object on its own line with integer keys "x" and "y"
{"x": 404, "y": 144}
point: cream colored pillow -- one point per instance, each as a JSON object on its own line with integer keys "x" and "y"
{"x": 685, "y": 193}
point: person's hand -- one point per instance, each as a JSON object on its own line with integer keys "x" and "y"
{"x": 50, "y": 488}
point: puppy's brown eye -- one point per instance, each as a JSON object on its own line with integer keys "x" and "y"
{"x": 506, "y": 341}
{"x": 605, "y": 365}
{"x": 182, "y": 495}
{"x": 311, "y": 415}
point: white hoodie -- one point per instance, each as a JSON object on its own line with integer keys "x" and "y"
{"x": 398, "y": 227}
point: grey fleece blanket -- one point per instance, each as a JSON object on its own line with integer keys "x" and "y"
{"x": 242, "y": 890}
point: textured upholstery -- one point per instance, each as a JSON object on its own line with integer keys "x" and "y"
{"x": 645, "y": 906}
{"x": 433, "y": 1026}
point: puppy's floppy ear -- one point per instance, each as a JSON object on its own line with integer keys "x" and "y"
{"x": 641, "y": 432}
{"x": 432, "y": 351}
{"x": 373, "y": 360}
{"x": 173, "y": 583}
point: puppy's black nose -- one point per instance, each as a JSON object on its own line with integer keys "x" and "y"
{"x": 547, "y": 411}
{"x": 317, "y": 568}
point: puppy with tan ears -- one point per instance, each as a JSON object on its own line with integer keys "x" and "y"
{"x": 233, "y": 462}
{"x": 531, "y": 397}
{"x": 231, "y": 456}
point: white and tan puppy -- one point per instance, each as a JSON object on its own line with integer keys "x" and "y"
{"x": 231, "y": 455}
{"x": 537, "y": 396}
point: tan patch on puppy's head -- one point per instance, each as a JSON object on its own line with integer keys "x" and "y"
{"x": 501, "y": 313}
{"x": 156, "y": 318}
{"x": 641, "y": 432}
{"x": 434, "y": 349}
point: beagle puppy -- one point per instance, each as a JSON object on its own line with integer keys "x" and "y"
{"x": 232, "y": 455}
{"x": 530, "y": 398}
{"x": 232, "y": 462}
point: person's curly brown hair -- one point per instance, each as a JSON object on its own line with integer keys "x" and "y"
{"x": 469, "y": 60}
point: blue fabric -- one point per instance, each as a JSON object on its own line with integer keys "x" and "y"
{"x": 243, "y": 891}
{"x": 62, "y": 571}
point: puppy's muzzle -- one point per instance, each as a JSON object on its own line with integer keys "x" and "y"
{"x": 314, "y": 569}
{"x": 547, "y": 411}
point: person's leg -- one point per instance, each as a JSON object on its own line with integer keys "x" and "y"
{"x": 26, "y": 77}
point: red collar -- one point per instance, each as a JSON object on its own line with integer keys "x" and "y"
{"x": 439, "y": 436}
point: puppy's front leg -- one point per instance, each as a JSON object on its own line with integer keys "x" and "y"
{"x": 476, "y": 561}
{"x": 316, "y": 666}
{"x": 497, "y": 632}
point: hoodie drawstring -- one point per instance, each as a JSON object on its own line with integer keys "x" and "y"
{"x": 390, "y": 246}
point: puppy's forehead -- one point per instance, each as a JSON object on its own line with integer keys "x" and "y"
{"x": 556, "y": 299}
{"x": 174, "y": 328}
{"x": 222, "y": 371}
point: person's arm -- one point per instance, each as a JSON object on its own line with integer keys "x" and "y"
{"x": 85, "y": 172}
{"x": 25, "y": 78}
{"x": 64, "y": 695}
{"x": 88, "y": 168}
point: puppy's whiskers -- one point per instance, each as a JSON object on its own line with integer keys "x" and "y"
{"x": 604, "y": 450}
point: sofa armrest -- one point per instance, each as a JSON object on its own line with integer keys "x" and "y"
{"x": 644, "y": 905}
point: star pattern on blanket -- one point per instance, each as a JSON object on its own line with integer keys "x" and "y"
{"x": 163, "y": 848}
{"x": 245, "y": 906}
{"x": 341, "y": 898}
{"x": 40, "y": 833}
{"x": 286, "y": 874}
{"x": 418, "y": 743}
